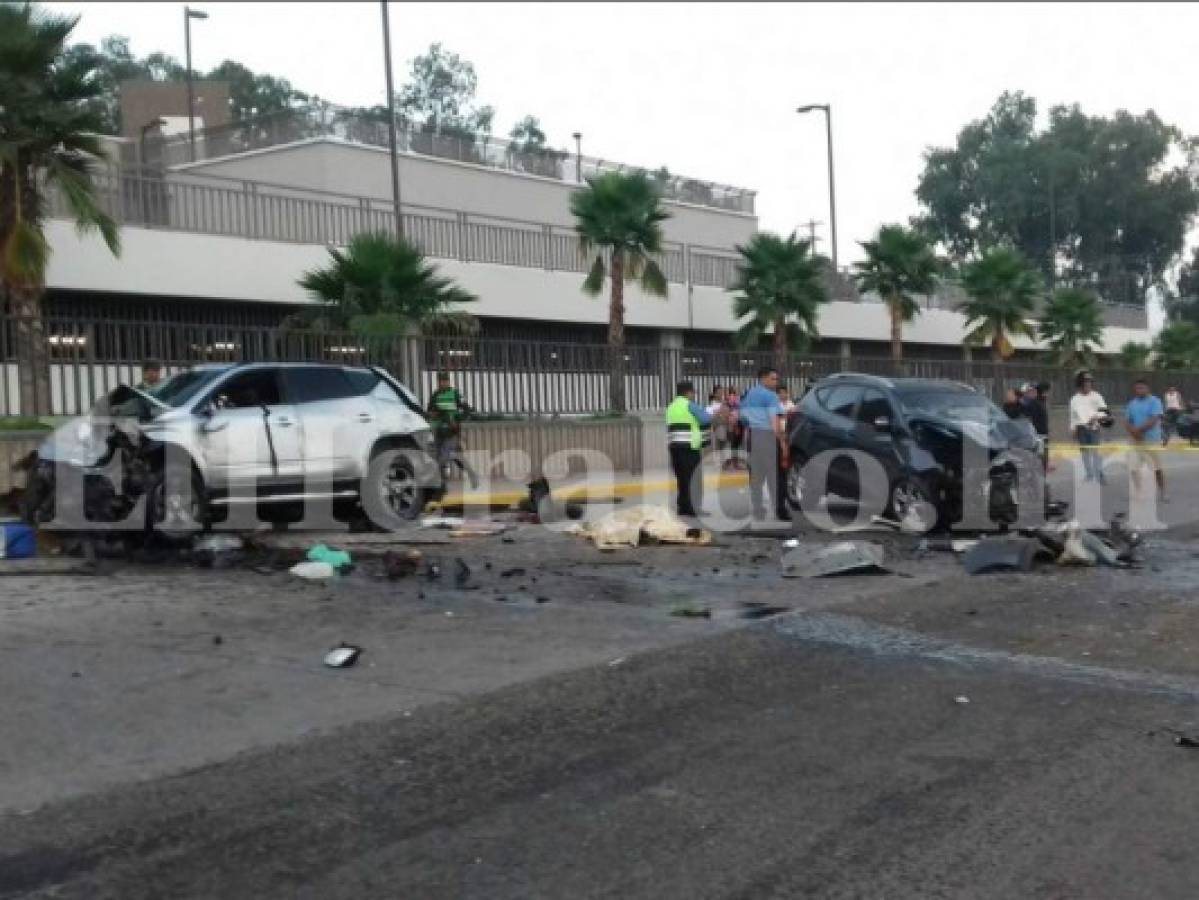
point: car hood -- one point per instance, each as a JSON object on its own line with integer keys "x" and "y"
{"x": 997, "y": 435}
{"x": 83, "y": 441}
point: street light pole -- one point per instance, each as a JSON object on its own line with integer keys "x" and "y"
{"x": 832, "y": 187}
{"x": 188, "y": 15}
{"x": 391, "y": 125}
{"x": 578, "y": 136}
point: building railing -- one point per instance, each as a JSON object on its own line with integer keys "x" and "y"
{"x": 259, "y": 211}
{"x": 360, "y": 127}
{"x": 82, "y": 360}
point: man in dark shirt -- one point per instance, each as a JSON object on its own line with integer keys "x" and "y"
{"x": 446, "y": 409}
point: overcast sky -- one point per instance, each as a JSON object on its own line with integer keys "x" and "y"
{"x": 709, "y": 90}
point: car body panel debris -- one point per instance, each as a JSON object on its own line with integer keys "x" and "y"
{"x": 818, "y": 561}
{"x": 1001, "y": 555}
{"x": 637, "y": 525}
{"x": 442, "y": 522}
{"x": 342, "y": 656}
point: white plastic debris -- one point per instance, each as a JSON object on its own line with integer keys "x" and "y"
{"x": 961, "y": 699}
{"x": 442, "y": 522}
{"x": 342, "y": 656}
{"x": 313, "y": 571}
{"x": 1074, "y": 551}
{"x": 791, "y": 543}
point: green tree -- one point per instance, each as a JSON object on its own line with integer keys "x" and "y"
{"x": 440, "y": 95}
{"x": 1072, "y": 324}
{"x": 47, "y": 143}
{"x": 527, "y": 135}
{"x": 1183, "y": 304}
{"x": 1177, "y": 346}
{"x": 620, "y": 216}
{"x": 779, "y": 288}
{"x": 381, "y": 286}
{"x": 1003, "y": 293}
{"x": 252, "y": 96}
{"x": 899, "y": 264}
{"x": 1134, "y": 355}
{"x": 1106, "y": 193}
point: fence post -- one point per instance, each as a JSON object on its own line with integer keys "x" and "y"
{"x": 463, "y": 253}
{"x": 547, "y": 245}
{"x": 250, "y": 199}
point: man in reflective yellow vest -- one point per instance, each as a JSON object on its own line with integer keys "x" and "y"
{"x": 687, "y": 433}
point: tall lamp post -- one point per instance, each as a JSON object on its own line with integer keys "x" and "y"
{"x": 188, "y": 15}
{"x": 391, "y": 124}
{"x": 832, "y": 190}
{"x": 578, "y": 136}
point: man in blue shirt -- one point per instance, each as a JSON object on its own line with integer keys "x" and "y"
{"x": 762, "y": 414}
{"x": 1143, "y": 421}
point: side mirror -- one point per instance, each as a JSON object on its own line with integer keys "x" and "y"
{"x": 882, "y": 423}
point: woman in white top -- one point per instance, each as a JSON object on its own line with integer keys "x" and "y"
{"x": 1173, "y": 400}
{"x": 1088, "y": 410}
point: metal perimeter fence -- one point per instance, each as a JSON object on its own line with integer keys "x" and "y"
{"x": 60, "y": 367}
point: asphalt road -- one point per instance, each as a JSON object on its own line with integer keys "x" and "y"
{"x": 932, "y": 736}
{"x": 819, "y": 756}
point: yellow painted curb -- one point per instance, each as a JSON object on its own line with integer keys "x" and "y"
{"x": 589, "y": 491}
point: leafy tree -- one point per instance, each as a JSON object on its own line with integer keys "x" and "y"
{"x": 1134, "y": 355}
{"x": 383, "y": 286}
{"x": 527, "y": 135}
{"x": 47, "y": 142}
{"x": 1177, "y": 346}
{"x": 1120, "y": 208}
{"x": 1183, "y": 306}
{"x": 1072, "y": 324}
{"x": 1003, "y": 293}
{"x": 619, "y": 216}
{"x": 899, "y": 264}
{"x": 779, "y": 288}
{"x": 252, "y": 96}
{"x": 440, "y": 95}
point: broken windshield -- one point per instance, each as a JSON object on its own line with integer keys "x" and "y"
{"x": 955, "y": 405}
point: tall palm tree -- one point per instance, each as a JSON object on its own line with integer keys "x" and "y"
{"x": 384, "y": 286}
{"x": 779, "y": 288}
{"x": 620, "y": 216}
{"x": 1003, "y": 292}
{"x": 899, "y": 263}
{"x": 47, "y": 142}
{"x": 1072, "y": 325}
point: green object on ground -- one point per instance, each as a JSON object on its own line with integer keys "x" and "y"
{"x": 338, "y": 559}
{"x": 22, "y": 423}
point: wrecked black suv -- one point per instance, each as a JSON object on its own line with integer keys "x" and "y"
{"x": 934, "y": 441}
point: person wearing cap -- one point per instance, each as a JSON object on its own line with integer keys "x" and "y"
{"x": 1088, "y": 409}
{"x": 1037, "y": 413}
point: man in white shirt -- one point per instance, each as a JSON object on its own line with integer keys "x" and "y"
{"x": 1088, "y": 409}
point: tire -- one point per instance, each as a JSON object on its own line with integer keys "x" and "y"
{"x": 391, "y": 490}
{"x": 795, "y": 484}
{"x": 911, "y": 496}
{"x": 163, "y": 516}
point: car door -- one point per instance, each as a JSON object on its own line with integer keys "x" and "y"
{"x": 835, "y": 431}
{"x": 875, "y": 425}
{"x": 338, "y": 422}
{"x": 249, "y": 434}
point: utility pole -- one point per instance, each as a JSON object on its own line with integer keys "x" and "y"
{"x": 188, "y": 15}
{"x": 811, "y": 226}
{"x": 391, "y": 125}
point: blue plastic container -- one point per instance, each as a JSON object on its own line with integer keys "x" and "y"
{"x": 17, "y": 542}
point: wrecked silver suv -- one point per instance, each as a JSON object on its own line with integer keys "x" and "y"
{"x": 217, "y": 437}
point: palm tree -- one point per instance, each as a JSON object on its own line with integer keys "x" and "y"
{"x": 1177, "y": 346}
{"x": 1134, "y": 355}
{"x": 899, "y": 263}
{"x": 620, "y": 216}
{"x": 48, "y": 142}
{"x": 1003, "y": 293}
{"x": 1071, "y": 325}
{"x": 384, "y": 286}
{"x": 779, "y": 288}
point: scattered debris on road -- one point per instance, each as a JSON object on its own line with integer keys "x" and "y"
{"x": 342, "y": 656}
{"x": 313, "y": 571}
{"x": 818, "y": 561}
{"x": 339, "y": 560}
{"x": 1001, "y": 555}
{"x": 401, "y": 563}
